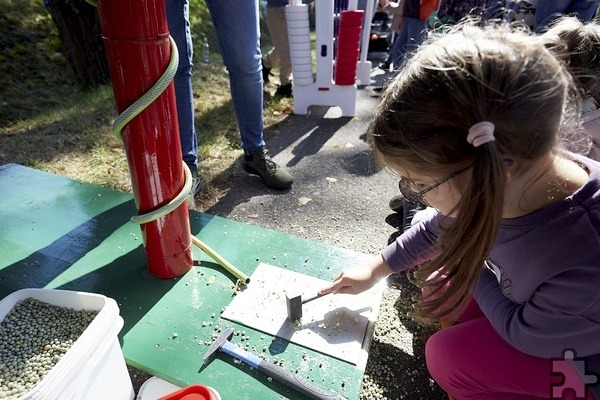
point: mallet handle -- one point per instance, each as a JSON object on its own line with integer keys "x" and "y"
{"x": 294, "y": 381}
{"x": 313, "y": 297}
{"x": 280, "y": 374}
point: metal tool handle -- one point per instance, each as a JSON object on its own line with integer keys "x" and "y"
{"x": 294, "y": 381}
{"x": 313, "y": 297}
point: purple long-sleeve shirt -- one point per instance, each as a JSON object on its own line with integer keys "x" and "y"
{"x": 541, "y": 290}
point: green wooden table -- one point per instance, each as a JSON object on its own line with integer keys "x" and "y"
{"x": 60, "y": 233}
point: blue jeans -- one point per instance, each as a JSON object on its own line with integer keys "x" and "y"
{"x": 238, "y": 33}
{"x": 412, "y": 34}
{"x": 547, "y": 11}
{"x": 179, "y": 28}
{"x": 501, "y": 9}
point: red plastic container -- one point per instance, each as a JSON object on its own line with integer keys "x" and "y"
{"x": 192, "y": 392}
{"x": 352, "y": 15}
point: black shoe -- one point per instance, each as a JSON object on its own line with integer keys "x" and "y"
{"x": 266, "y": 72}
{"x": 396, "y": 203}
{"x": 284, "y": 90}
{"x": 380, "y": 89}
{"x": 196, "y": 187}
{"x": 409, "y": 209}
{"x": 273, "y": 175}
{"x": 196, "y": 181}
{"x": 384, "y": 65}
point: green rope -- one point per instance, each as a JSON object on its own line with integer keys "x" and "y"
{"x": 136, "y": 108}
{"x": 170, "y": 206}
{"x": 152, "y": 94}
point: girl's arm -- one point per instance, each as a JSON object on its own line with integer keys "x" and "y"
{"x": 410, "y": 249}
{"x": 358, "y": 279}
{"x": 563, "y": 313}
{"x": 415, "y": 246}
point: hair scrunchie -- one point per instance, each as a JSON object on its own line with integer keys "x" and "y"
{"x": 481, "y": 133}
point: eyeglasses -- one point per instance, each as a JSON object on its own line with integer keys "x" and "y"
{"x": 417, "y": 197}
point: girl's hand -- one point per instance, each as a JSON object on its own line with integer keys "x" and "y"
{"x": 359, "y": 279}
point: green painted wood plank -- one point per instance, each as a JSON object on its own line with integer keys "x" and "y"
{"x": 59, "y": 233}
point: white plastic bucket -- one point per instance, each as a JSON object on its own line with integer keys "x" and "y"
{"x": 94, "y": 367}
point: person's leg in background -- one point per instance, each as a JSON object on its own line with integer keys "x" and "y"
{"x": 238, "y": 33}
{"x": 179, "y": 28}
{"x": 387, "y": 62}
{"x": 412, "y": 34}
{"x": 277, "y": 24}
{"x": 585, "y": 9}
{"x": 393, "y": 10}
{"x": 398, "y": 45}
{"x": 504, "y": 10}
{"x": 547, "y": 10}
{"x": 271, "y": 59}
{"x": 496, "y": 9}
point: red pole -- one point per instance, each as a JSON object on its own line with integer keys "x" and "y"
{"x": 136, "y": 38}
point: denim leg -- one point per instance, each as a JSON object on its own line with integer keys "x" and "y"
{"x": 585, "y": 9}
{"x": 496, "y": 9}
{"x": 179, "y": 28}
{"x": 503, "y": 10}
{"x": 548, "y": 10}
{"x": 396, "y": 51}
{"x": 237, "y": 28}
{"x": 412, "y": 34}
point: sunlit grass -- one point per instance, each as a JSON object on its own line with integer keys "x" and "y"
{"x": 48, "y": 122}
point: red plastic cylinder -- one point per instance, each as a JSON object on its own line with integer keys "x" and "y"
{"x": 136, "y": 38}
{"x": 348, "y": 47}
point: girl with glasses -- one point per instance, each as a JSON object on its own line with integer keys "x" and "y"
{"x": 476, "y": 125}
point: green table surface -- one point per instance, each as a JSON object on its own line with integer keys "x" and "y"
{"x": 58, "y": 233}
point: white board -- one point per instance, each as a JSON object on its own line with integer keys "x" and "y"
{"x": 335, "y": 325}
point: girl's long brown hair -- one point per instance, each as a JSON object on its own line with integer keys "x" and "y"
{"x": 465, "y": 76}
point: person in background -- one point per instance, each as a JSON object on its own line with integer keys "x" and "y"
{"x": 394, "y": 9}
{"x": 508, "y": 262}
{"x": 539, "y": 15}
{"x": 237, "y": 29}
{"x": 280, "y": 53}
{"x": 179, "y": 27}
{"x": 582, "y": 41}
{"x": 525, "y": 12}
{"x": 413, "y": 31}
{"x": 549, "y": 10}
{"x": 459, "y": 9}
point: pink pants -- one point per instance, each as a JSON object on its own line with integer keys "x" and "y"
{"x": 469, "y": 360}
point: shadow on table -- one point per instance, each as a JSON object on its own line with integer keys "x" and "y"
{"x": 124, "y": 278}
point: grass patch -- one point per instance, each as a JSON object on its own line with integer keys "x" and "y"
{"x": 49, "y": 122}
